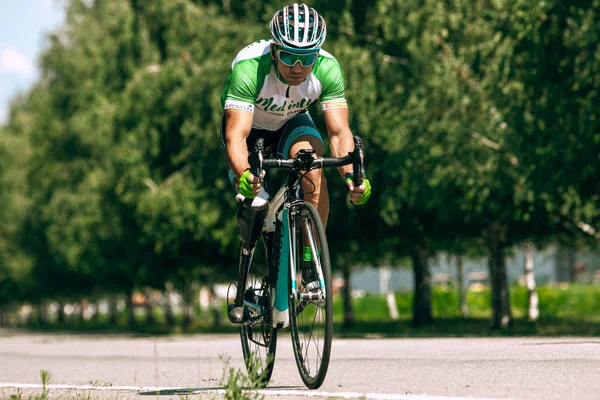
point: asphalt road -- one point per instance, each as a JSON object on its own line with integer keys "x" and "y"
{"x": 121, "y": 367}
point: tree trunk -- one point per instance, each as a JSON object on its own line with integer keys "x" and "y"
{"x": 187, "y": 305}
{"x": 60, "y": 316}
{"x": 27, "y": 318}
{"x": 533, "y": 310}
{"x": 422, "y": 295}
{"x": 385, "y": 287}
{"x": 149, "y": 307}
{"x": 113, "y": 310}
{"x": 347, "y": 293}
{"x": 41, "y": 314}
{"x": 501, "y": 313}
{"x": 130, "y": 310}
{"x": 463, "y": 309}
{"x": 95, "y": 319}
{"x": 82, "y": 306}
{"x": 571, "y": 261}
{"x": 563, "y": 265}
{"x": 168, "y": 308}
{"x": 215, "y": 305}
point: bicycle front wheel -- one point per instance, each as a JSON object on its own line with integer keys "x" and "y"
{"x": 311, "y": 301}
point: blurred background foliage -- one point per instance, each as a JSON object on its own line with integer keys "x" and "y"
{"x": 480, "y": 120}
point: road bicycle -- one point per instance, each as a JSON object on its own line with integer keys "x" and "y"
{"x": 294, "y": 286}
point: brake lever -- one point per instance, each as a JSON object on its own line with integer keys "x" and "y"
{"x": 255, "y": 159}
{"x": 358, "y": 164}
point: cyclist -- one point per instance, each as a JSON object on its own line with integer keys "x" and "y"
{"x": 267, "y": 95}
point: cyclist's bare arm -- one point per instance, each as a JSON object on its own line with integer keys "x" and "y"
{"x": 341, "y": 143}
{"x": 341, "y": 140}
{"x": 238, "y": 124}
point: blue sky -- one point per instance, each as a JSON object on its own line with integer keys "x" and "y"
{"x": 23, "y": 26}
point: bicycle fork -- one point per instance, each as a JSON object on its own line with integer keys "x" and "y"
{"x": 281, "y": 304}
{"x": 312, "y": 296}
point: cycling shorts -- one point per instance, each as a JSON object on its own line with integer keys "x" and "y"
{"x": 280, "y": 140}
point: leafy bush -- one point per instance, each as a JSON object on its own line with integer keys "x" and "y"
{"x": 579, "y": 302}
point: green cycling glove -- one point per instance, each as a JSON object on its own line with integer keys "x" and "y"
{"x": 366, "y": 194}
{"x": 245, "y": 186}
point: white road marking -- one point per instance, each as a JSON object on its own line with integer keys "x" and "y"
{"x": 266, "y": 392}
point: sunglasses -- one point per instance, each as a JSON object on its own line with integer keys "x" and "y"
{"x": 290, "y": 59}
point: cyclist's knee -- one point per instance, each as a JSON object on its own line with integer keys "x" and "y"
{"x": 307, "y": 142}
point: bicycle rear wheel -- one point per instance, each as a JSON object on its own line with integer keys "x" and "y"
{"x": 259, "y": 338}
{"x": 311, "y": 306}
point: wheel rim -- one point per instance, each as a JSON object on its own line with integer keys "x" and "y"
{"x": 312, "y": 327}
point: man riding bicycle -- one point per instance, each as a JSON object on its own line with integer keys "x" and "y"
{"x": 267, "y": 95}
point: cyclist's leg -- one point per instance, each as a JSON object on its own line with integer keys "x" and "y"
{"x": 315, "y": 183}
{"x": 301, "y": 133}
{"x": 250, "y": 218}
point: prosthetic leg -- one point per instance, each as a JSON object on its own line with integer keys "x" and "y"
{"x": 250, "y": 216}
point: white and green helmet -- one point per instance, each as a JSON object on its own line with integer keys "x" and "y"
{"x": 298, "y": 28}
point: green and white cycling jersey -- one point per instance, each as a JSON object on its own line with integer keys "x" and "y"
{"x": 254, "y": 85}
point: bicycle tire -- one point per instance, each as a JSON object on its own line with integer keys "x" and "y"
{"x": 259, "y": 339}
{"x": 309, "y": 318}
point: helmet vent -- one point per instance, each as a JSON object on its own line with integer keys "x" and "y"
{"x": 298, "y": 27}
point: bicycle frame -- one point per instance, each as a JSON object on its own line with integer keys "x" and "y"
{"x": 279, "y": 209}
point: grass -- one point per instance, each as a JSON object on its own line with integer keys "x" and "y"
{"x": 467, "y": 327}
{"x": 564, "y": 310}
{"x": 574, "y": 302}
{"x": 45, "y": 375}
{"x": 238, "y": 384}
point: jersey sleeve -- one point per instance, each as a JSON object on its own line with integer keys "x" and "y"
{"x": 241, "y": 89}
{"x": 332, "y": 78}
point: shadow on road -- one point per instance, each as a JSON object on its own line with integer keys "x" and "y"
{"x": 190, "y": 391}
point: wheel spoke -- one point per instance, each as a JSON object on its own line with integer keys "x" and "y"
{"x": 314, "y": 339}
